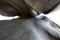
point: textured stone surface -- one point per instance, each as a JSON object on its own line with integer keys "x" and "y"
{"x": 25, "y": 29}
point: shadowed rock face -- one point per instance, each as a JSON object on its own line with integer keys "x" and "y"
{"x": 15, "y": 7}
{"x": 27, "y": 29}
{"x": 24, "y": 8}
{"x": 43, "y": 5}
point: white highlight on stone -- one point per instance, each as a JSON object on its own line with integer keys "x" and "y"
{"x": 8, "y": 18}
